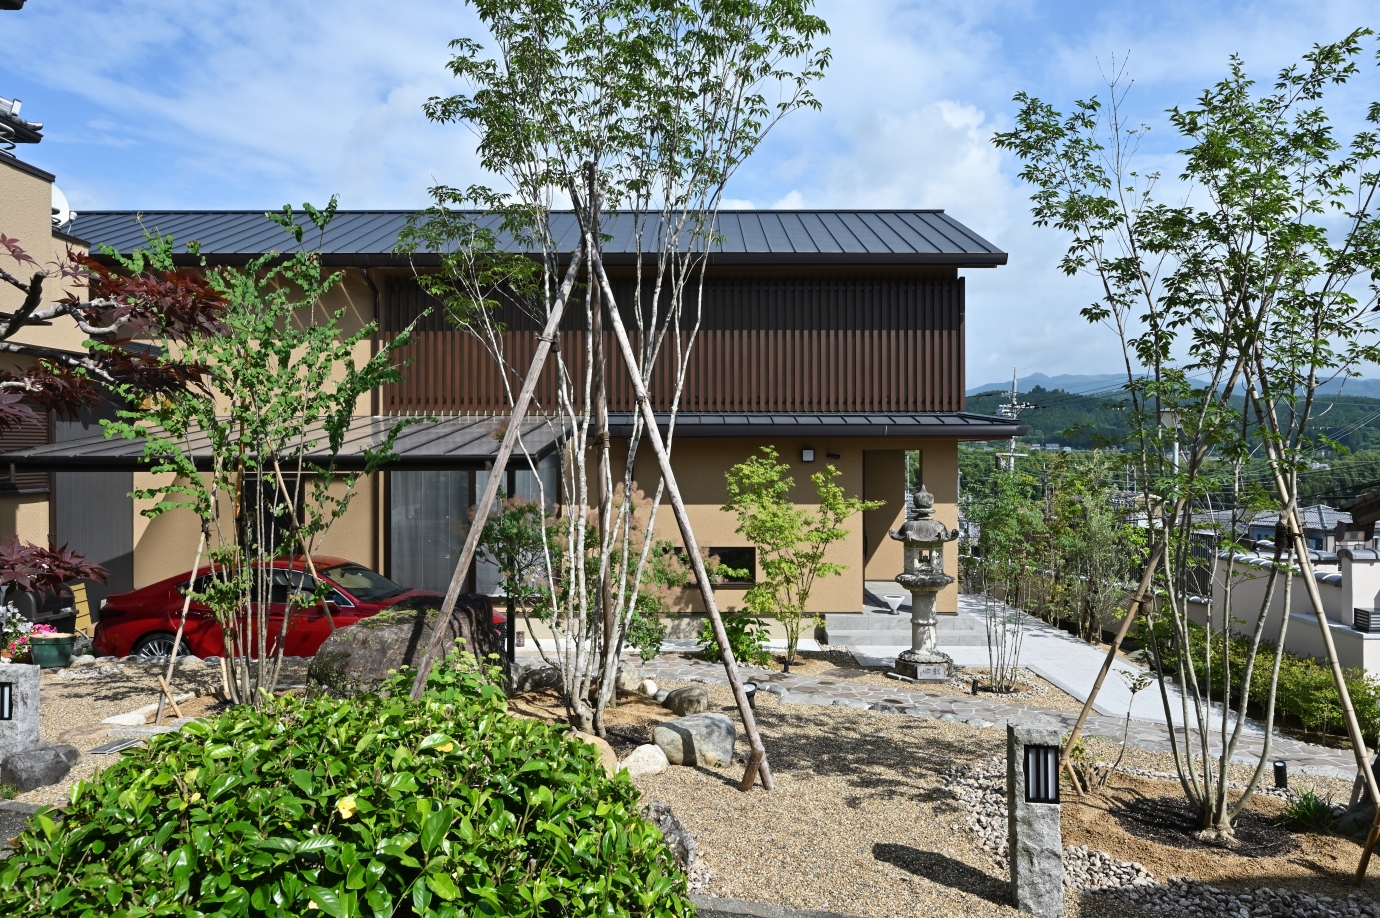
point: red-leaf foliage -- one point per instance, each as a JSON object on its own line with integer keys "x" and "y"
{"x": 173, "y": 303}
{"x": 29, "y": 568}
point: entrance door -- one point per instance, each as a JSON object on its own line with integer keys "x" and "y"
{"x": 884, "y": 478}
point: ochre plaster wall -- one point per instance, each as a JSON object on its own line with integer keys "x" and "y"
{"x": 701, "y": 465}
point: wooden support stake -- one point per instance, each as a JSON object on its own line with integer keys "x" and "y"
{"x": 171, "y": 700}
{"x": 496, "y": 477}
{"x": 687, "y": 534}
{"x": 1146, "y": 580}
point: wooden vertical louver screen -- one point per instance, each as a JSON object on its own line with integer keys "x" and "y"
{"x": 891, "y": 344}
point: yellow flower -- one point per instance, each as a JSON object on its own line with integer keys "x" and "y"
{"x": 346, "y": 807}
{"x": 445, "y": 747}
{"x": 311, "y": 903}
{"x": 196, "y": 796}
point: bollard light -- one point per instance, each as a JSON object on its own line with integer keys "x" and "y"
{"x": 750, "y": 690}
{"x": 975, "y": 685}
{"x": 1281, "y": 776}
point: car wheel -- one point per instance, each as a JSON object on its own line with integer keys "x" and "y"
{"x": 158, "y": 646}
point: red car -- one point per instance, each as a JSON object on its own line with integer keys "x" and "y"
{"x": 143, "y": 622}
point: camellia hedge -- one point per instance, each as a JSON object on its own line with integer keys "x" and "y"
{"x": 372, "y": 807}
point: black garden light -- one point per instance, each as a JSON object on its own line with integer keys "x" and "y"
{"x": 750, "y": 690}
{"x": 975, "y": 685}
{"x": 1281, "y": 775}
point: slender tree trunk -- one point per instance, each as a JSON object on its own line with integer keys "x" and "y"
{"x": 486, "y": 501}
{"x": 757, "y": 763}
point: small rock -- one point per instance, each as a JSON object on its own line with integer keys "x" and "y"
{"x": 692, "y": 699}
{"x": 885, "y": 708}
{"x": 701, "y": 739}
{"x": 679, "y": 840}
{"x": 107, "y": 659}
{"x": 647, "y": 759}
{"x": 628, "y": 678}
{"x": 130, "y": 719}
{"x": 607, "y": 757}
{"x": 660, "y": 695}
{"x": 648, "y": 687}
{"x": 84, "y": 660}
{"x": 45, "y": 764}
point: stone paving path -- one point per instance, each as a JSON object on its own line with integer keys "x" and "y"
{"x": 1303, "y": 758}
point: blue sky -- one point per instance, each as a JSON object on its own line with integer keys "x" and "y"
{"x": 255, "y": 103}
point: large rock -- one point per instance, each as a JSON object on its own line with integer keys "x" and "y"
{"x": 20, "y": 732}
{"x": 693, "y": 699}
{"x": 541, "y": 677}
{"x": 680, "y": 842}
{"x": 356, "y": 659}
{"x": 628, "y": 679}
{"x": 647, "y": 759}
{"x": 607, "y": 757}
{"x": 45, "y": 764}
{"x": 702, "y": 739}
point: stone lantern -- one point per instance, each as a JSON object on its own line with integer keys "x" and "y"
{"x": 924, "y": 576}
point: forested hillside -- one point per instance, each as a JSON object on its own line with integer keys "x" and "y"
{"x": 1095, "y": 419}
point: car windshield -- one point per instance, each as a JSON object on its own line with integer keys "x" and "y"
{"x": 363, "y": 583}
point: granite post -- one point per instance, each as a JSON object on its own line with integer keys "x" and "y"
{"x": 924, "y": 577}
{"x": 18, "y": 733}
{"x": 1035, "y": 848}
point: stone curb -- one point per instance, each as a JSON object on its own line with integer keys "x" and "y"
{"x": 714, "y": 907}
{"x": 14, "y": 806}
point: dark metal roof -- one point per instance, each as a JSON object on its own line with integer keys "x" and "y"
{"x": 957, "y": 424}
{"x": 440, "y": 444}
{"x": 470, "y": 441}
{"x": 750, "y": 237}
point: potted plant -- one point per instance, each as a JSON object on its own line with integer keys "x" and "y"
{"x": 26, "y": 568}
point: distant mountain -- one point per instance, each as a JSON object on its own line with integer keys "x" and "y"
{"x": 1101, "y": 384}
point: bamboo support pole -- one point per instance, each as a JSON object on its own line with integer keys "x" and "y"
{"x": 500, "y": 465}
{"x": 171, "y": 700}
{"x": 757, "y": 763}
{"x": 181, "y": 624}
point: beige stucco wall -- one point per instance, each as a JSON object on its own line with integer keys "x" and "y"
{"x": 701, "y": 465}
{"x": 166, "y": 546}
{"x": 26, "y": 202}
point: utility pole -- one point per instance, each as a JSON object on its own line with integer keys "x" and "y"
{"x": 1012, "y": 410}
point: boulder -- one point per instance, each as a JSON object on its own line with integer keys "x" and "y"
{"x": 356, "y": 659}
{"x": 701, "y": 739}
{"x": 607, "y": 757}
{"x": 45, "y": 764}
{"x": 542, "y": 677}
{"x": 693, "y": 699}
{"x": 648, "y": 687}
{"x": 680, "y": 842}
{"x": 647, "y": 759}
{"x": 1355, "y": 823}
{"x": 628, "y": 678}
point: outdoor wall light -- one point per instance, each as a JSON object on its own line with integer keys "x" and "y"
{"x": 750, "y": 690}
{"x": 1281, "y": 775}
{"x": 1041, "y": 774}
{"x": 6, "y": 701}
{"x": 807, "y": 455}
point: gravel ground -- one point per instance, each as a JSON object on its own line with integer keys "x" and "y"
{"x": 74, "y": 701}
{"x": 864, "y": 820}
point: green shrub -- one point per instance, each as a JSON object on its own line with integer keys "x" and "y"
{"x": 1311, "y": 813}
{"x": 372, "y": 807}
{"x": 747, "y": 638}
{"x": 1305, "y": 690}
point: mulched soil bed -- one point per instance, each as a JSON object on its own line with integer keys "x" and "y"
{"x": 1172, "y": 822}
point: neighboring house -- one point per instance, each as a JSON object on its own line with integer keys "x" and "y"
{"x": 1319, "y": 526}
{"x": 834, "y": 336}
{"x": 93, "y": 517}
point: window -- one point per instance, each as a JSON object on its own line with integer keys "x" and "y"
{"x": 368, "y": 585}
{"x": 738, "y": 566}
